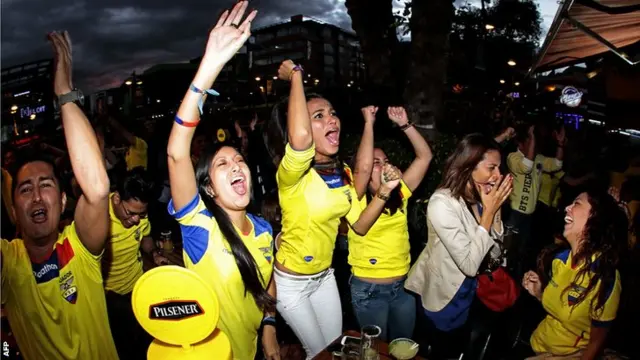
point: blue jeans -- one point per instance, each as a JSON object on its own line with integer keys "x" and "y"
{"x": 388, "y": 306}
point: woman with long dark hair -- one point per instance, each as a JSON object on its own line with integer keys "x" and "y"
{"x": 229, "y": 248}
{"x": 380, "y": 259}
{"x": 465, "y": 228}
{"x": 580, "y": 290}
{"x": 315, "y": 190}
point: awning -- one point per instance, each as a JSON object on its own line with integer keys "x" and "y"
{"x": 584, "y": 28}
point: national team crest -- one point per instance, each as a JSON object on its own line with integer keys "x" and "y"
{"x": 266, "y": 251}
{"x": 67, "y": 288}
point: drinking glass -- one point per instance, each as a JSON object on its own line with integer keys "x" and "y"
{"x": 348, "y": 352}
{"x": 369, "y": 342}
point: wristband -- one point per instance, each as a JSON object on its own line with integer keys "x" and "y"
{"x": 296, "y": 68}
{"x": 186, "y": 123}
{"x": 202, "y": 92}
{"x": 382, "y": 196}
{"x": 406, "y": 126}
{"x": 269, "y": 320}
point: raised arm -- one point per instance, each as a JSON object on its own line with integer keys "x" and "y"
{"x": 390, "y": 180}
{"x": 413, "y": 176}
{"x": 92, "y": 211}
{"x": 298, "y": 121}
{"x": 226, "y": 38}
{"x": 364, "y": 156}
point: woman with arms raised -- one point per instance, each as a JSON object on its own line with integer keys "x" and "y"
{"x": 229, "y": 248}
{"x": 315, "y": 191}
{"x": 583, "y": 292}
{"x": 380, "y": 260}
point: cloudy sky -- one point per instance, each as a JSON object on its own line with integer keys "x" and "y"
{"x": 111, "y": 38}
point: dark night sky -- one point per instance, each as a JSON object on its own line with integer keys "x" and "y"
{"x": 111, "y": 38}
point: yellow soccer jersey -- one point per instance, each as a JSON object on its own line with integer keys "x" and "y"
{"x": 550, "y": 188}
{"x": 207, "y": 252}
{"x": 567, "y": 327}
{"x": 137, "y": 155}
{"x": 384, "y": 251}
{"x": 122, "y": 262}
{"x": 526, "y": 179}
{"x": 56, "y": 305}
{"x": 312, "y": 205}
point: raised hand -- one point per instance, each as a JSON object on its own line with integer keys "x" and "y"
{"x": 369, "y": 113}
{"x": 560, "y": 136}
{"x": 398, "y": 115}
{"x": 494, "y": 198}
{"x": 229, "y": 34}
{"x": 239, "y": 131}
{"x": 531, "y": 282}
{"x": 390, "y": 177}
{"x": 63, "y": 62}
{"x": 285, "y": 71}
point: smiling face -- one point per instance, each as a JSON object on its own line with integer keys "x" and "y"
{"x": 487, "y": 173}
{"x": 575, "y": 219}
{"x": 38, "y": 202}
{"x": 230, "y": 179}
{"x": 379, "y": 159}
{"x": 325, "y": 126}
{"x": 130, "y": 211}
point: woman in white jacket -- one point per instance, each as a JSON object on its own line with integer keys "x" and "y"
{"x": 464, "y": 223}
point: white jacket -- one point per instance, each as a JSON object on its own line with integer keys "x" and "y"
{"x": 456, "y": 247}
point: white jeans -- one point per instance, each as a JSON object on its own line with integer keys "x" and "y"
{"x": 310, "y": 304}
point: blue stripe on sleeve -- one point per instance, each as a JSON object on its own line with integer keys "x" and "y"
{"x": 185, "y": 210}
{"x": 195, "y": 240}
{"x": 601, "y": 324}
{"x": 260, "y": 225}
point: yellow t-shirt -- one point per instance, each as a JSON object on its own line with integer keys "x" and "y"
{"x": 384, "y": 251}
{"x": 526, "y": 179}
{"x": 311, "y": 210}
{"x": 56, "y": 306}
{"x": 137, "y": 155}
{"x": 207, "y": 252}
{"x": 550, "y": 188}
{"x": 567, "y": 327}
{"x": 7, "y": 197}
{"x": 122, "y": 263}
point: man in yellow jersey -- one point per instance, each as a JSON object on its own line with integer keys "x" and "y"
{"x": 122, "y": 262}
{"x": 526, "y": 166}
{"x": 51, "y": 282}
{"x": 137, "y": 151}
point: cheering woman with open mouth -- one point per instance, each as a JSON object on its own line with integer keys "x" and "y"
{"x": 315, "y": 191}
{"x": 229, "y": 248}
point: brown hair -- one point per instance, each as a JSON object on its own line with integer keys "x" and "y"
{"x": 461, "y": 163}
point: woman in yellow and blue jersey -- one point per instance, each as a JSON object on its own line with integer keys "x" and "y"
{"x": 315, "y": 193}
{"x": 229, "y": 248}
{"x": 380, "y": 259}
{"x": 582, "y": 295}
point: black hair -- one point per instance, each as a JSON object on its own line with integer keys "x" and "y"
{"x": 605, "y": 235}
{"x": 522, "y": 132}
{"x": 135, "y": 184}
{"x": 249, "y": 270}
{"x": 29, "y": 156}
{"x": 276, "y": 137}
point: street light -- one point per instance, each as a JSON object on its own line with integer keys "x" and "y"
{"x": 128, "y": 83}
{"x": 516, "y": 83}
{"x": 275, "y": 78}
{"x": 139, "y": 82}
{"x": 511, "y": 63}
{"x": 502, "y": 81}
{"x": 26, "y": 131}
{"x": 14, "y": 108}
{"x": 489, "y": 27}
{"x": 257, "y": 78}
{"x": 32, "y": 116}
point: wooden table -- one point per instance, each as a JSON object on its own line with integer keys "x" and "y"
{"x": 383, "y": 349}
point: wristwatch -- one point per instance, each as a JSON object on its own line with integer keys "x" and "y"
{"x": 74, "y": 95}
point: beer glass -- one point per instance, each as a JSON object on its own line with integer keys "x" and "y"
{"x": 370, "y": 337}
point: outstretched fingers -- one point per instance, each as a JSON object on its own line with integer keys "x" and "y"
{"x": 246, "y": 24}
{"x": 222, "y": 19}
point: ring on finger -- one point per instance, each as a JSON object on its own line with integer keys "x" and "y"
{"x": 234, "y": 25}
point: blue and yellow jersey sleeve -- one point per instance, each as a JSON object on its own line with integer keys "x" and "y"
{"x": 93, "y": 263}
{"x": 294, "y": 165}
{"x": 195, "y": 222}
